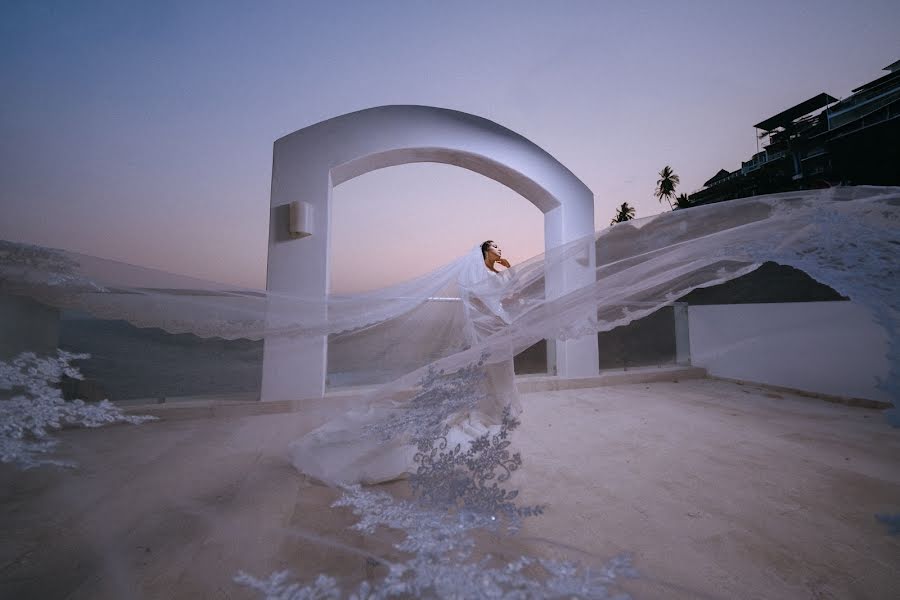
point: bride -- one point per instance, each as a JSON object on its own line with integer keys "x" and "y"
{"x": 379, "y": 442}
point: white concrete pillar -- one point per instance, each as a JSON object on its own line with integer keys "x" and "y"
{"x": 575, "y": 357}
{"x": 295, "y": 367}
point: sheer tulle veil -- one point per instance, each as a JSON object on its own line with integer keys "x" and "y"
{"x": 431, "y": 360}
{"x": 461, "y": 312}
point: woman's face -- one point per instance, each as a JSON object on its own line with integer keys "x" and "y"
{"x": 494, "y": 250}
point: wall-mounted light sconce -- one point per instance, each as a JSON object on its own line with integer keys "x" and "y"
{"x": 301, "y": 219}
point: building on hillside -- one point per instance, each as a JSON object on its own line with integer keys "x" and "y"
{"x": 821, "y": 142}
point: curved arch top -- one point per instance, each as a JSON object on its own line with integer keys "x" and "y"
{"x": 357, "y": 143}
{"x": 308, "y": 163}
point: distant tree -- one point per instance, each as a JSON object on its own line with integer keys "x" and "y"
{"x": 682, "y": 201}
{"x": 665, "y": 185}
{"x": 623, "y": 213}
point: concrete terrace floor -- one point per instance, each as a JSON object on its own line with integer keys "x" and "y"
{"x": 719, "y": 490}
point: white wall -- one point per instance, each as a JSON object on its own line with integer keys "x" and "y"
{"x": 830, "y": 348}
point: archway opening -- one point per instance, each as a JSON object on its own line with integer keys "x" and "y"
{"x": 400, "y": 222}
{"x": 310, "y": 162}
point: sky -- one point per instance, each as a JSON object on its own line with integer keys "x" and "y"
{"x": 143, "y": 131}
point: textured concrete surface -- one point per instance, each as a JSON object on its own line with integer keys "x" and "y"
{"x": 718, "y": 490}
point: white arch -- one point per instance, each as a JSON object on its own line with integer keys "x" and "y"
{"x": 308, "y": 163}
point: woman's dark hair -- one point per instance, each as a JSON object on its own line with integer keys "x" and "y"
{"x": 485, "y": 246}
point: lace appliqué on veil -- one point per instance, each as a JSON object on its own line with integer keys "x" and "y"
{"x": 27, "y": 419}
{"x": 456, "y": 493}
{"x": 440, "y": 545}
{"x": 442, "y": 397}
{"x": 469, "y": 481}
{"x": 36, "y": 259}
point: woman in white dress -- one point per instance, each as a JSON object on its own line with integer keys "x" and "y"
{"x": 379, "y": 442}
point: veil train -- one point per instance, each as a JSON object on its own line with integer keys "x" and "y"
{"x": 439, "y": 351}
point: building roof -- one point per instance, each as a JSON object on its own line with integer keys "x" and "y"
{"x": 722, "y": 173}
{"x": 786, "y": 117}
{"x": 881, "y": 80}
{"x": 894, "y": 66}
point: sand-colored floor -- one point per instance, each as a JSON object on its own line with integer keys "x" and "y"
{"x": 718, "y": 490}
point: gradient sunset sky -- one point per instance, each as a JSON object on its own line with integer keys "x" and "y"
{"x": 143, "y": 131}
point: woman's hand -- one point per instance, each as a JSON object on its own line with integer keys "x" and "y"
{"x": 503, "y": 262}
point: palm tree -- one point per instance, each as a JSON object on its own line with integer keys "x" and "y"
{"x": 665, "y": 185}
{"x": 682, "y": 201}
{"x": 623, "y": 213}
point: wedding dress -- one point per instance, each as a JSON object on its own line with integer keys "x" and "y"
{"x": 366, "y": 446}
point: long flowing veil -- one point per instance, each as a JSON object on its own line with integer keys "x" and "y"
{"x": 428, "y": 371}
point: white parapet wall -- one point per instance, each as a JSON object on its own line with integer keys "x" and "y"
{"x": 831, "y": 348}
{"x": 27, "y": 326}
